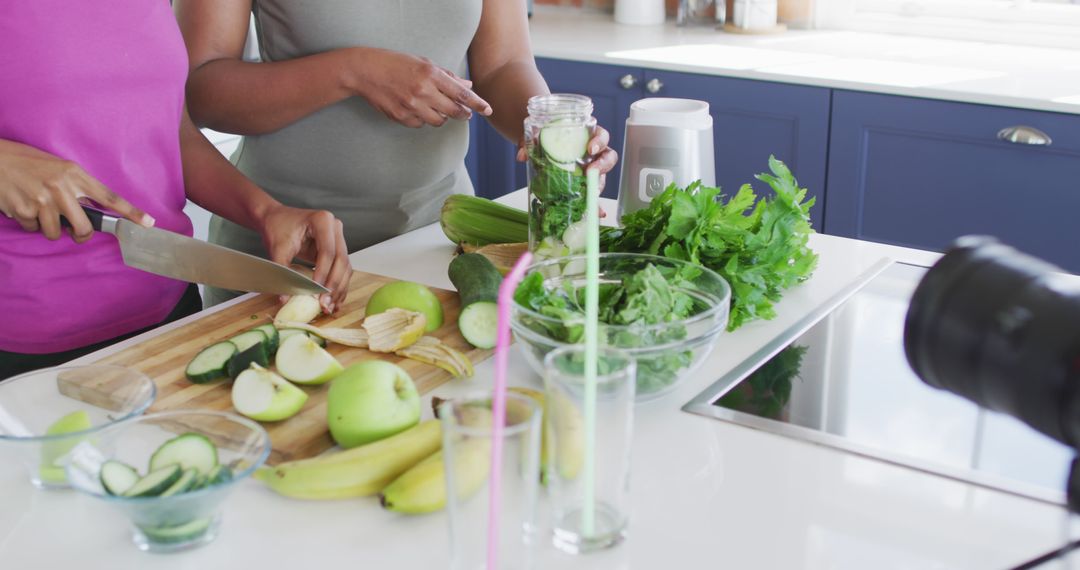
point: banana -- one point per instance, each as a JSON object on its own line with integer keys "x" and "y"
{"x": 545, "y": 437}
{"x": 422, "y": 489}
{"x": 355, "y": 472}
{"x": 566, "y": 426}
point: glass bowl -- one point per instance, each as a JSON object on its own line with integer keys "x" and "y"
{"x": 666, "y": 353}
{"x": 45, "y": 413}
{"x": 187, "y": 519}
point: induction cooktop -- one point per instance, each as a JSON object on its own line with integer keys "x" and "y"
{"x": 839, "y": 378}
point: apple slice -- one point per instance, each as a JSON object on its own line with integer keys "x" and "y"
{"x": 264, "y": 396}
{"x": 301, "y": 360}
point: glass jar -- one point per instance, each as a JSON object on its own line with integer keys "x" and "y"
{"x": 557, "y": 133}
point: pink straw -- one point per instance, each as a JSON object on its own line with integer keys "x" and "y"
{"x": 502, "y": 349}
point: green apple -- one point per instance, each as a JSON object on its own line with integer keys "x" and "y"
{"x": 300, "y": 359}
{"x": 409, "y": 296}
{"x": 51, "y": 472}
{"x": 371, "y": 400}
{"x": 264, "y": 396}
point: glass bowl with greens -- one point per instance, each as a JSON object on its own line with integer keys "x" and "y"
{"x": 666, "y": 313}
{"x": 170, "y": 472}
{"x": 44, "y": 413}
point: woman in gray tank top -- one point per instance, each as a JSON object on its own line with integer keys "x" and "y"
{"x": 359, "y": 106}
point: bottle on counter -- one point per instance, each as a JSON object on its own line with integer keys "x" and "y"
{"x": 557, "y": 132}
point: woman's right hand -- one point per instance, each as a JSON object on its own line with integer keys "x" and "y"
{"x": 414, "y": 91}
{"x": 36, "y": 188}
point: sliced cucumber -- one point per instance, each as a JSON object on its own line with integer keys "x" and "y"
{"x": 156, "y": 482}
{"x": 273, "y": 338}
{"x": 190, "y": 450}
{"x": 179, "y": 533}
{"x": 477, "y": 281}
{"x": 249, "y": 338}
{"x": 243, "y": 360}
{"x": 218, "y": 475}
{"x": 117, "y": 477}
{"x": 564, "y": 143}
{"x": 211, "y": 363}
{"x": 187, "y": 481}
{"x": 286, "y": 333}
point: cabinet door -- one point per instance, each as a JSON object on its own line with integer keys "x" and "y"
{"x": 921, "y": 173}
{"x": 755, "y": 119}
{"x": 611, "y": 100}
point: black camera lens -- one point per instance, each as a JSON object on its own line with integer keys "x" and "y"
{"x": 1002, "y": 329}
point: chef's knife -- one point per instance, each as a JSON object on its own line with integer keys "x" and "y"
{"x": 173, "y": 255}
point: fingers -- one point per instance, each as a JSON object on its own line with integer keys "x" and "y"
{"x": 97, "y": 192}
{"x": 521, "y": 156}
{"x": 338, "y": 279}
{"x": 80, "y": 229}
{"x": 604, "y": 161}
{"x": 462, "y": 95}
{"x": 599, "y": 140}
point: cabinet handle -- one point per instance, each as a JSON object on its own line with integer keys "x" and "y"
{"x": 627, "y": 81}
{"x": 1021, "y": 134}
{"x": 654, "y": 85}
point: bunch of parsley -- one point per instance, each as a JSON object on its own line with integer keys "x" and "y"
{"x": 757, "y": 244}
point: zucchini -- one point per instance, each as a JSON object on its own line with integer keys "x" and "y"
{"x": 286, "y": 333}
{"x": 477, "y": 281}
{"x": 564, "y": 143}
{"x": 155, "y": 482}
{"x": 190, "y": 450}
{"x": 211, "y": 363}
{"x": 117, "y": 477}
{"x": 187, "y": 482}
{"x": 273, "y": 338}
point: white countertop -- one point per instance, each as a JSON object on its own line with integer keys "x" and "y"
{"x": 994, "y": 74}
{"x": 706, "y": 494}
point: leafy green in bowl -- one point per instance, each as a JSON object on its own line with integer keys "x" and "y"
{"x": 666, "y": 313}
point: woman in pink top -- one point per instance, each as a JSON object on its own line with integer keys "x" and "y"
{"x": 92, "y": 109}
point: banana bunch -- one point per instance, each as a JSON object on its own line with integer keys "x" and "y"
{"x": 422, "y": 489}
{"x": 356, "y": 472}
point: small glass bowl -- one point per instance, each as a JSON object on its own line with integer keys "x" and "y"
{"x": 185, "y": 520}
{"x": 45, "y": 413}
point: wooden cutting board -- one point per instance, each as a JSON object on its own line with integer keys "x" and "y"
{"x": 164, "y": 358}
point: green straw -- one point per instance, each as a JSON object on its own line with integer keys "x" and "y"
{"x": 592, "y": 315}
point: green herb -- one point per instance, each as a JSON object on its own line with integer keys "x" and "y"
{"x": 645, "y": 297}
{"x": 767, "y": 391}
{"x": 757, "y": 245}
{"x": 557, "y": 199}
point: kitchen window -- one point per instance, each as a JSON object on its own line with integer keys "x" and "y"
{"x": 1053, "y": 23}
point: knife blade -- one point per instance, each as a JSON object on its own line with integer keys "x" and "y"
{"x": 173, "y": 255}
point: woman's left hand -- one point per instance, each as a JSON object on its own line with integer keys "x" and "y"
{"x": 601, "y": 156}
{"x": 314, "y": 236}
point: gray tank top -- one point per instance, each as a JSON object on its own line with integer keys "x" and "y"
{"x": 379, "y": 177}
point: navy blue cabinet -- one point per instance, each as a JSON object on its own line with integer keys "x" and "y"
{"x": 920, "y": 173}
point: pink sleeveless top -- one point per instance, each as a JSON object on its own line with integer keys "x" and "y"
{"x": 101, "y": 84}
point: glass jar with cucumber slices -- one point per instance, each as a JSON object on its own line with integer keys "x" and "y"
{"x": 557, "y": 132}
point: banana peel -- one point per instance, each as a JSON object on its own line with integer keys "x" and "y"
{"x": 393, "y": 329}
{"x": 357, "y": 338}
{"x": 430, "y": 350}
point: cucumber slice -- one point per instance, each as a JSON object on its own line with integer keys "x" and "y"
{"x": 190, "y": 450}
{"x": 117, "y": 477}
{"x": 218, "y": 475}
{"x": 286, "y": 333}
{"x": 243, "y": 360}
{"x": 156, "y": 482}
{"x": 175, "y": 534}
{"x": 249, "y": 338}
{"x": 211, "y": 362}
{"x": 273, "y": 338}
{"x": 564, "y": 143}
{"x": 187, "y": 481}
{"x": 479, "y": 323}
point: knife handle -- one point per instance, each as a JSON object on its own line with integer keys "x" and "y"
{"x": 95, "y": 217}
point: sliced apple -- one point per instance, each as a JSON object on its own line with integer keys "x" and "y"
{"x": 300, "y": 309}
{"x": 300, "y": 359}
{"x": 264, "y": 396}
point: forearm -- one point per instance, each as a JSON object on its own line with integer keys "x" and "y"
{"x": 508, "y": 90}
{"x": 214, "y": 183}
{"x": 246, "y": 98}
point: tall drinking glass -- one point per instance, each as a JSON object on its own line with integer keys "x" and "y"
{"x": 467, "y": 445}
{"x": 590, "y": 494}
